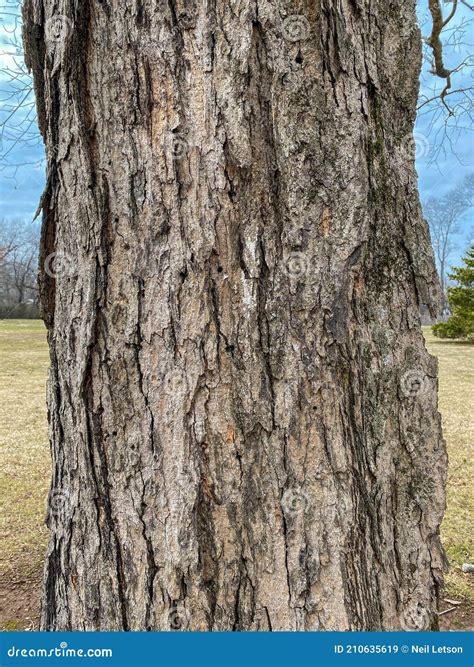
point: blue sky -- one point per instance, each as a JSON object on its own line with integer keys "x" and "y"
{"x": 441, "y": 165}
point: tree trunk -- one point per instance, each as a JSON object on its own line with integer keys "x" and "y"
{"x": 242, "y": 410}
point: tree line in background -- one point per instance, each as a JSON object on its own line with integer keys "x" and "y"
{"x": 444, "y": 216}
{"x": 19, "y": 244}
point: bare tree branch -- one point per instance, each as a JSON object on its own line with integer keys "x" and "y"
{"x": 434, "y": 41}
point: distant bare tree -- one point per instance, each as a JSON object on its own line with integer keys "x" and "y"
{"x": 444, "y": 215}
{"x": 19, "y": 242}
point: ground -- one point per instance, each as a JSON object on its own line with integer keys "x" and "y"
{"x": 456, "y": 404}
{"x": 25, "y": 471}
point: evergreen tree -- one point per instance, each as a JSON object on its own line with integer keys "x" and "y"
{"x": 461, "y": 300}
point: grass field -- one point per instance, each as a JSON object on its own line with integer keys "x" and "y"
{"x": 25, "y": 470}
{"x": 456, "y": 404}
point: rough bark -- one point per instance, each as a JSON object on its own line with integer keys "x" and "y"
{"x": 242, "y": 410}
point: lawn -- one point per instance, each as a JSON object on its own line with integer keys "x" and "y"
{"x": 456, "y": 404}
{"x": 25, "y": 470}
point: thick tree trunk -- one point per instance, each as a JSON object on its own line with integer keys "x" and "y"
{"x": 242, "y": 410}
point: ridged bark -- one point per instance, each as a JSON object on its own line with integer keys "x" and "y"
{"x": 242, "y": 410}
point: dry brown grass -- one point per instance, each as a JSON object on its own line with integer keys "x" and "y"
{"x": 25, "y": 461}
{"x": 456, "y": 404}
